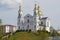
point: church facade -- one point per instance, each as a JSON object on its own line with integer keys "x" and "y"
{"x": 33, "y": 22}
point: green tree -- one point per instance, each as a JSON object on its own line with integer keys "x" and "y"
{"x": 0, "y": 21}
{"x": 0, "y": 27}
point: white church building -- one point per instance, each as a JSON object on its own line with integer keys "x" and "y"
{"x": 33, "y": 22}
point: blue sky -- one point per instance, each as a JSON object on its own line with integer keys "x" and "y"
{"x": 9, "y": 10}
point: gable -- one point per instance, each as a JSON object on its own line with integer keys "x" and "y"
{"x": 28, "y": 15}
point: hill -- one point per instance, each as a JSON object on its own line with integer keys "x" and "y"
{"x": 29, "y": 36}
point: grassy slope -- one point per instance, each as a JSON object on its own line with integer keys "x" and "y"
{"x": 0, "y": 31}
{"x": 27, "y": 36}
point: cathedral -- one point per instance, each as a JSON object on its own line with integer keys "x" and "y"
{"x": 33, "y": 22}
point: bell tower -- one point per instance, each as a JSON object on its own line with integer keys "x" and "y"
{"x": 36, "y": 17}
{"x": 19, "y": 17}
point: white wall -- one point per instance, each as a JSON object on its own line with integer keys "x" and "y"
{"x": 46, "y": 22}
{"x": 7, "y": 29}
{"x": 25, "y": 24}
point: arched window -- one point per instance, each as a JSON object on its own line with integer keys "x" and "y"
{"x": 41, "y": 23}
{"x": 19, "y": 27}
{"x": 28, "y": 20}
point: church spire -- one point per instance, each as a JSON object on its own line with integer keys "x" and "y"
{"x": 38, "y": 7}
{"x": 20, "y": 9}
{"x": 20, "y": 12}
{"x": 35, "y": 8}
{"x": 19, "y": 17}
{"x": 39, "y": 11}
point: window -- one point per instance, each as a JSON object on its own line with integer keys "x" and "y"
{"x": 23, "y": 28}
{"x": 19, "y": 27}
{"x": 28, "y": 27}
{"x": 41, "y": 23}
{"x": 35, "y": 27}
{"x": 47, "y": 24}
{"x": 27, "y": 16}
{"x": 28, "y": 20}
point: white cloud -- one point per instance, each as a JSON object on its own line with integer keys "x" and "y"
{"x": 10, "y": 3}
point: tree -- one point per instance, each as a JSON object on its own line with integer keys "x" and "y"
{"x": 0, "y": 21}
{"x": 0, "y": 26}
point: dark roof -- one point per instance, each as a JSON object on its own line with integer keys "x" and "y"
{"x": 44, "y": 17}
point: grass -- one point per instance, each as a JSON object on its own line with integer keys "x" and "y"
{"x": 28, "y": 36}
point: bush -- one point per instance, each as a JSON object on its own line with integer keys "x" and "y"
{"x": 26, "y": 30}
{"x": 29, "y": 31}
